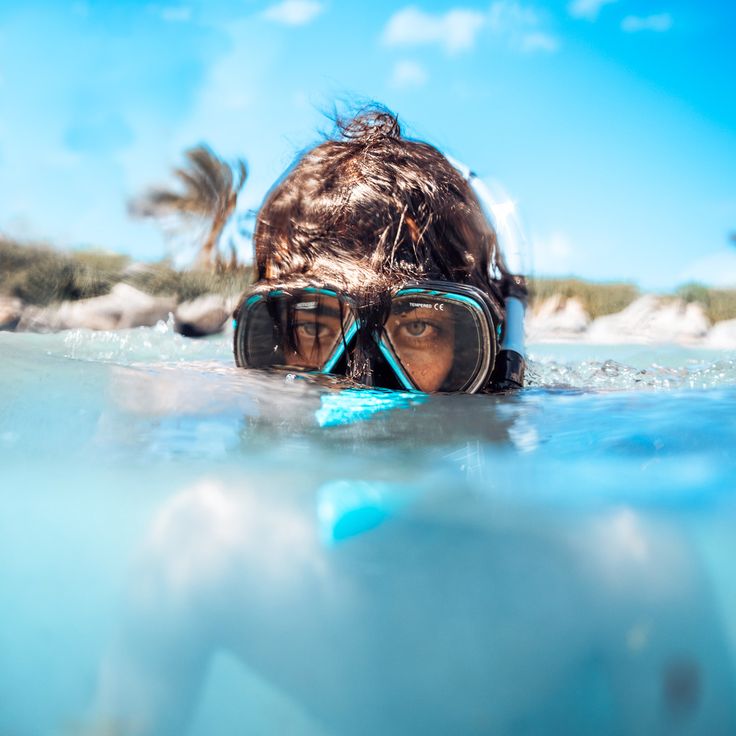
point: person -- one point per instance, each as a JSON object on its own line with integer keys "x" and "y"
{"x": 375, "y": 261}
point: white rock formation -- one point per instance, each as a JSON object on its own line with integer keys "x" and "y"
{"x": 10, "y": 312}
{"x": 125, "y": 306}
{"x": 722, "y": 335}
{"x": 557, "y": 318}
{"x": 206, "y": 315}
{"x": 652, "y": 319}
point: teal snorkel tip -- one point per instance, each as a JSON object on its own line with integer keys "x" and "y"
{"x": 513, "y": 334}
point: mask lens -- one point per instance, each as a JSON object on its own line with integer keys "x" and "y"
{"x": 302, "y": 330}
{"x": 261, "y": 341}
{"x": 441, "y": 342}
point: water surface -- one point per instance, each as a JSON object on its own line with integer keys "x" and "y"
{"x": 186, "y": 547}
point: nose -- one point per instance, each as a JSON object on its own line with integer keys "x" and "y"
{"x": 367, "y": 365}
{"x": 361, "y": 362}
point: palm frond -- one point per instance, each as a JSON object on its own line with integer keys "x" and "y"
{"x": 208, "y": 192}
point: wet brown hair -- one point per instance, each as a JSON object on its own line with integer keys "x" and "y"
{"x": 370, "y": 207}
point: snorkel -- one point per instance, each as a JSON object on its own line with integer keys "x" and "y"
{"x": 508, "y": 372}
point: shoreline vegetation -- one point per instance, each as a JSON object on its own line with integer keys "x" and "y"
{"x": 40, "y": 275}
{"x": 45, "y": 289}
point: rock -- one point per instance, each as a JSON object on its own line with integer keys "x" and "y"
{"x": 696, "y": 324}
{"x": 206, "y": 315}
{"x": 125, "y": 306}
{"x": 11, "y": 310}
{"x": 557, "y": 318}
{"x": 722, "y": 335}
{"x": 652, "y": 319}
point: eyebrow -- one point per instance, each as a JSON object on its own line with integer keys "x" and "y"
{"x": 323, "y": 312}
{"x": 400, "y": 309}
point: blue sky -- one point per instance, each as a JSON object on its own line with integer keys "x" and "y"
{"x": 611, "y": 123}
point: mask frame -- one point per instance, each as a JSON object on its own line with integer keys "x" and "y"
{"x": 483, "y": 309}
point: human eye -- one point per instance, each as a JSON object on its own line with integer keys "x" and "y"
{"x": 413, "y": 331}
{"x": 315, "y": 329}
{"x": 307, "y": 329}
{"x": 418, "y": 328}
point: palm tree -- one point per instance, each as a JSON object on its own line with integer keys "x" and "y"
{"x": 210, "y": 188}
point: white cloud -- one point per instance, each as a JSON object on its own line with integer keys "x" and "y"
{"x": 521, "y": 26}
{"x": 658, "y": 23}
{"x": 294, "y": 12}
{"x": 507, "y": 15}
{"x": 455, "y": 30}
{"x": 408, "y": 74}
{"x": 587, "y": 9}
{"x": 539, "y": 41}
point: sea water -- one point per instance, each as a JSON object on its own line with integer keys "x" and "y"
{"x": 189, "y": 548}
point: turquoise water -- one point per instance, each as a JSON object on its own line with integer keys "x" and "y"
{"x": 186, "y": 548}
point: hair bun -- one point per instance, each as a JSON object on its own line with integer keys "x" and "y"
{"x": 370, "y": 125}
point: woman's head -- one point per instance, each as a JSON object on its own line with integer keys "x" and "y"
{"x": 375, "y": 260}
{"x": 371, "y": 206}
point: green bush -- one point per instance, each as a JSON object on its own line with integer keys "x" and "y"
{"x": 41, "y": 275}
{"x": 161, "y": 279}
{"x": 719, "y": 304}
{"x": 607, "y": 298}
{"x": 597, "y": 298}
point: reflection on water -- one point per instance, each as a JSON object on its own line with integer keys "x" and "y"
{"x": 188, "y": 548}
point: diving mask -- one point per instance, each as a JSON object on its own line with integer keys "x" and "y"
{"x": 430, "y": 336}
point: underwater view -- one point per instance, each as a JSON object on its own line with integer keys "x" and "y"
{"x": 190, "y": 548}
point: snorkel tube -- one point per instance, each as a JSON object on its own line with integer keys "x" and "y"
{"x": 508, "y": 372}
